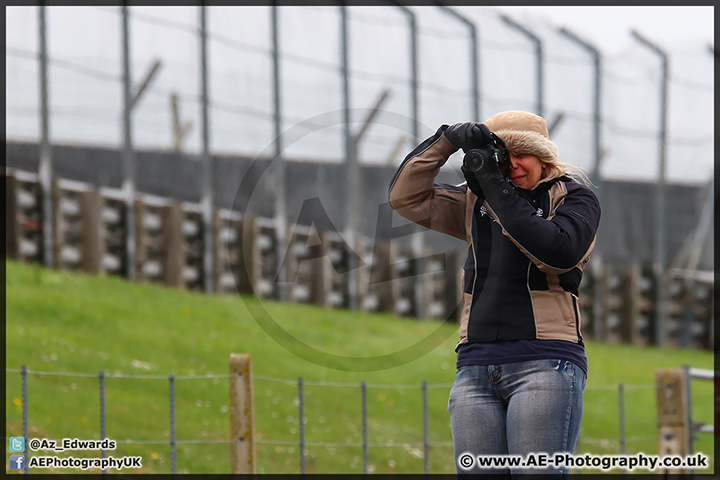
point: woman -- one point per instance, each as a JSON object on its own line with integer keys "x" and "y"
{"x": 521, "y": 363}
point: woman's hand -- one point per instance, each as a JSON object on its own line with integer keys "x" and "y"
{"x": 468, "y": 135}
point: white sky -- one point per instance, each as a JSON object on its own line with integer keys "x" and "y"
{"x": 674, "y": 28}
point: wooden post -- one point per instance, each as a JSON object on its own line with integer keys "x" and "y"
{"x": 630, "y": 312}
{"x": 11, "y": 217}
{"x": 672, "y": 407}
{"x": 90, "y": 206}
{"x": 317, "y": 282}
{"x": 325, "y": 282}
{"x": 140, "y": 247}
{"x": 220, "y": 255}
{"x": 54, "y": 222}
{"x": 246, "y": 259}
{"x": 242, "y": 415}
{"x": 382, "y": 276}
{"x": 172, "y": 237}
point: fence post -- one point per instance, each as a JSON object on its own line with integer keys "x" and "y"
{"x": 45, "y": 169}
{"x": 621, "y": 410}
{"x": 688, "y": 392}
{"x": 363, "y": 390}
{"x": 539, "y": 59}
{"x": 660, "y": 233}
{"x": 280, "y": 167}
{"x": 171, "y": 380}
{"x": 242, "y": 415}
{"x": 426, "y": 446}
{"x": 301, "y": 415}
{"x": 101, "y": 381}
{"x": 23, "y": 375}
{"x": 672, "y": 403}
{"x": 208, "y": 195}
{"x": 128, "y": 156}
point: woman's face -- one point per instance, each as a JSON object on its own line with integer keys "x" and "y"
{"x": 525, "y": 170}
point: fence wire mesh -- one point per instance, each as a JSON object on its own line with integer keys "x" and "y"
{"x": 301, "y": 446}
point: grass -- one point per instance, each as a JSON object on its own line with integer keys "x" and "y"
{"x": 70, "y": 322}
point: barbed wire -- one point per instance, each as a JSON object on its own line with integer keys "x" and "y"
{"x": 238, "y": 44}
{"x": 301, "y": 122}
{"x": 173, "y": 24}
{"x": 691, "y": 85}
{"x": 65, "y": 64}
{"x": 614, "y": 441}
{"x": 121, "y": 375}
{"x": 329, "y": 66}
{"x": 226, "y": 106}
{"x": 624, "y": 131}
{"x": 639, "y": 386}
{"x": 88, "y": 113}
{"x": 603, "y": 442}
{"x": 216, "y": 104}
{"x": 289, "y": 381}
{"x": 264, "y": 114}
{"x": 432, "y": 32}
{"x": 377, "y": 20}
{"x": 374, "y": 20}
{"x": 303, "y": 60}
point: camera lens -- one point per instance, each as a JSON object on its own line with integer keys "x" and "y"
{"x": 475, "y": 159}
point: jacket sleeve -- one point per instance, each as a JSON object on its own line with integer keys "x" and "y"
{"x": 557, "y": 244}
{"x": 415, "y": 196}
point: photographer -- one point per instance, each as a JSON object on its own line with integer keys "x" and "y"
{"x": 530, "y": 228}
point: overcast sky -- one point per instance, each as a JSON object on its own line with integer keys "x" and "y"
{"x": 674, "y": 28}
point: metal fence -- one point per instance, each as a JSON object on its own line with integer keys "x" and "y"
{"x": 624, "y": 443}
{"x": 361, "y": 89}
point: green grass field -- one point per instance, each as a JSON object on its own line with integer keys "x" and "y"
{"x": 70, "y": 322}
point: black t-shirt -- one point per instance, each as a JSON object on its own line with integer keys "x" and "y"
{"x": 511, "y": 351}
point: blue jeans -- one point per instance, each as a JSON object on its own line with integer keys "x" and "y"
{"x": 516, "y": 409}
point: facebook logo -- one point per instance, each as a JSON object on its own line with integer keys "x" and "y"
{"x": 17, "y": 444}
{"x": 17, "y": 462}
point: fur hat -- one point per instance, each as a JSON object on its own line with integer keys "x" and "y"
{"x": 524, "y": 133}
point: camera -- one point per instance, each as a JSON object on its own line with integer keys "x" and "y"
{"x": 495, "y": 151}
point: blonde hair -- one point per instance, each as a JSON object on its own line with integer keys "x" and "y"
{"x": 557, "y": 169}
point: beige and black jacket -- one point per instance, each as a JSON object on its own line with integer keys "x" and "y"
{"x": 526, "y": 249}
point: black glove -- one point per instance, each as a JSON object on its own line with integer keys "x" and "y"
{"x": 468, "y": 135}
{"x": 472, "y": 181}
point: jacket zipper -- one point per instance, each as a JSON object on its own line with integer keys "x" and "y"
{"x": 573, "y": 212}
{"x": 577, "y": 320}
{"x": 472, "y": 292}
